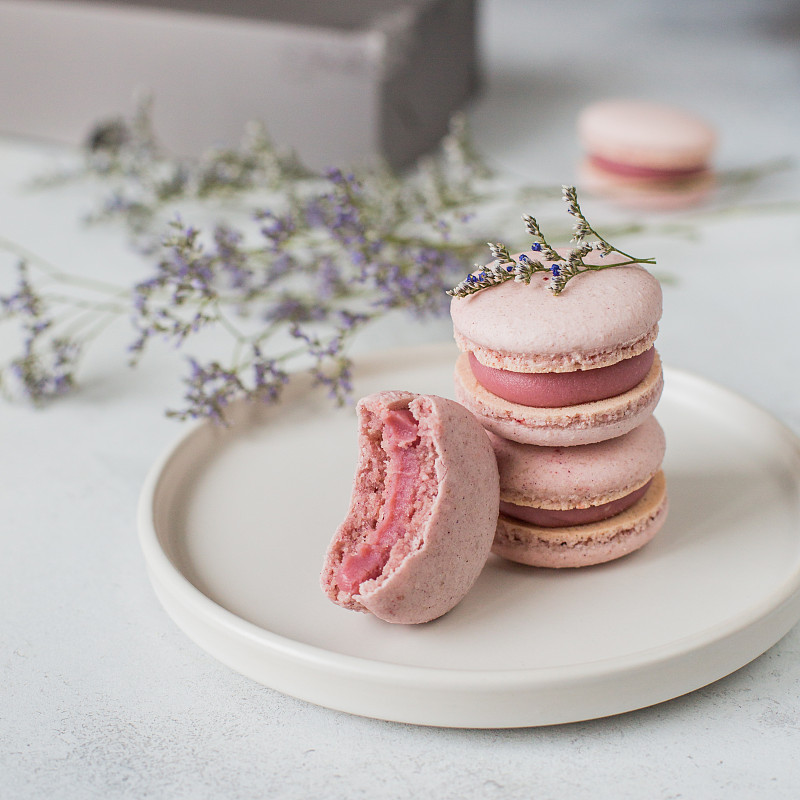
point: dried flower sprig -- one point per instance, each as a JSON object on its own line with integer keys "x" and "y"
{"x": 561, "y": 268}
{"x": 303, "y": 262}
{"x": 44, "y": 368}
{"x": 57, "y": 315}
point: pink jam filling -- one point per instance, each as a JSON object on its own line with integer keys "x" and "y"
{"x": 634, "y": 171}
{"x": 551, "y": 518}
{"x": 556, "y": 389}
{"x": 367, "y": 560}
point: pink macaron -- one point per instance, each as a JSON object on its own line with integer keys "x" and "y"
{"x": 582, "y": 505}
{"x": 645, "y": 155}
{"x": 423, "y": 510}
{"x": 560, "y": 370}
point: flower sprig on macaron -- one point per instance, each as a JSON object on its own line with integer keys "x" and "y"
{"x": 561, "y": 266}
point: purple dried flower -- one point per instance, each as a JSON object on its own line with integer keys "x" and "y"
{"x": 210, "y": 388}
{"x": 268, "y": 378}
{"x": 337, "y": 378}
{"x": 232, "y": 260}
{"x": 331, "y": 253}
{"x": 294, "y": 308}
{"x": 45, "y": 370}
{"x": 276, "y": 229}
{"x": 24, "y": 301}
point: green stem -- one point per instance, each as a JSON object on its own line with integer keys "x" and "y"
{"x": 56, "y": 274}
{"x": 87, "y": 305}
{"x": 631, "y": 260}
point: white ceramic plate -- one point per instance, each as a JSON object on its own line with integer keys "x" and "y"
{"x": 234, "y": 524}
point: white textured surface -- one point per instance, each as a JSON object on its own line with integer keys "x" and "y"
{"x": 103, "y": 697}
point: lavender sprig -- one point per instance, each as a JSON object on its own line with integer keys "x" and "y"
{"x": 562, "y": 268}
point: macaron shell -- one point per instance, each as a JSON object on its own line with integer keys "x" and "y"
{"x": 646, "y": 134}
{"x": 556, "y": 427}
{"x": 584, "y": 545}
{"x": 425, "y": 580}
{"x": 581, "y": 476}
{"x": 458, "y": 538}
{"x": 599, "y": 319}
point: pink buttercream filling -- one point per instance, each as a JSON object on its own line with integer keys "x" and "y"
{"x": 556, "y": 389}
{"x": 561, "y": 518}
{"x": 635, "y": 171}
{"x": 367, "y": 560}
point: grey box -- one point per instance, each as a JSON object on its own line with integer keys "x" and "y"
{"x": 336, "y": 81}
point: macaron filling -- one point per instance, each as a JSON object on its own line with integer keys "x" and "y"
{"x": 562, "y": 518}
{"x": 557, "y": 389}
{"x": 639, "y": 171}
{"x": 402, "y": 465}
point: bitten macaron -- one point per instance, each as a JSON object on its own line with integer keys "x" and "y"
{"x": 423, "y": 510}
{"x": 645, "y": 155}
{"x": 561, "y": 370}
{"x": 582, "y": 505}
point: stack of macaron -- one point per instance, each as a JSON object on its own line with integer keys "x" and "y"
{"x": 565, "y": 385}
{"x": 645, "y": 155}
{"x": 552, "y": 456}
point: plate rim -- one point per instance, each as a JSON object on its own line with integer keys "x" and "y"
{"x": 167, "y": 577}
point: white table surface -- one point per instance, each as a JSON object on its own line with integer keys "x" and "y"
{"x": 103, "y": 696}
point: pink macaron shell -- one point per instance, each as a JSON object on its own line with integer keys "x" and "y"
{"x": 599, "y": 319}
{"x": 584, "y": 545}
{"x": 448, "y": 538}
{"x": 646, "y": 134}
{"x": 559, "y": 427}
{"x": 581, "y": 476}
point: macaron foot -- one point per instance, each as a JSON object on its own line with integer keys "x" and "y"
{"x": 584, "y": 545}
{"x": 559, "y": 427}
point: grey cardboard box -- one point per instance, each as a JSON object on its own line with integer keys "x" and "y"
{"x": 336, "y": 81}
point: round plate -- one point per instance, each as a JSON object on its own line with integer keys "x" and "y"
{"x": 235, "y": 522}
